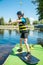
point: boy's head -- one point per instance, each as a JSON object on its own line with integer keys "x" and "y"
{"x": 20, "y": 14}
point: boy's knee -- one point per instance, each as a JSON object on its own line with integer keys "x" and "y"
{"x": 25, "y": 41}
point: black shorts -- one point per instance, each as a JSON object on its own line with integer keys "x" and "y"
{"x": 24, "y": 35}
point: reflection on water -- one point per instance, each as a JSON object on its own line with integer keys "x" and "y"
{"x": 8, "y": 38}
{"x": 13, "y": 36}
{"x": 10, "y": 32}
{"x": 34, "y": 35}
{"x": 1, "y": 32}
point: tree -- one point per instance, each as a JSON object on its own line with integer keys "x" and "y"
{"x": 1, "y": 21}
{"x": 27, "y": 21}
{"x": 39, "y": 8}
{"x": 10, "y": 20}
{"x": 41, "y": 21}
{"x": 35, "y": 22}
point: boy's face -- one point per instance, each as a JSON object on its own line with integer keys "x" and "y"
{"x": 19, "y": 16}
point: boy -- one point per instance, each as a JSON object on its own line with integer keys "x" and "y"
{"x": 23, "y": 30}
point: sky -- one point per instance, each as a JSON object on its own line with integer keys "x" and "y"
{"x": 9, "y": 8}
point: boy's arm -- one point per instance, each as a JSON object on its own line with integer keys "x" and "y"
{"x": 16, "y": 21}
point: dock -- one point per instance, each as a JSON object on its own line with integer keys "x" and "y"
{"x": 36, "y": 51}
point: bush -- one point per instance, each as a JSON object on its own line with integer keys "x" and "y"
{"x": 35, "y": 22}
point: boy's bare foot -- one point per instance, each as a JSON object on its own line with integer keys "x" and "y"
{"x": 28, "y": 56}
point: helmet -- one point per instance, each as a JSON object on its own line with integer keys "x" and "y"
{"x": 20, "y": 13}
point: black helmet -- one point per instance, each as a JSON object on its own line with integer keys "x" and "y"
{"x": 20, "y": 13}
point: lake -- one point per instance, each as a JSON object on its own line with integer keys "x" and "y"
{"x": 9, "y": 38}
{"x": 12, "y": 37}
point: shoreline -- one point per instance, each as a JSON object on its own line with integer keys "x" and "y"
{"x": 12, "y": 27}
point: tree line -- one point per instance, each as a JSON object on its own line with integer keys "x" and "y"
{"x": 2, "y": 21}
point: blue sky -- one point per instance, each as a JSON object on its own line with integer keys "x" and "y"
{"x": 9, "y": 8}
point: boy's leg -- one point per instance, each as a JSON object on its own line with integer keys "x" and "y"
{"x": 20, "y": 42}
{"x": 28, "y": 55}
{"x": 20, "y": 49}
{"x": 26, "y": 44}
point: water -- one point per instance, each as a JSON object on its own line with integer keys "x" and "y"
{"x": 9, "y": 38}
{"x": 13, "y": 37}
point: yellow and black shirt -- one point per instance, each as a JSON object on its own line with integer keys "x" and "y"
{"x": 22, "y": 25}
